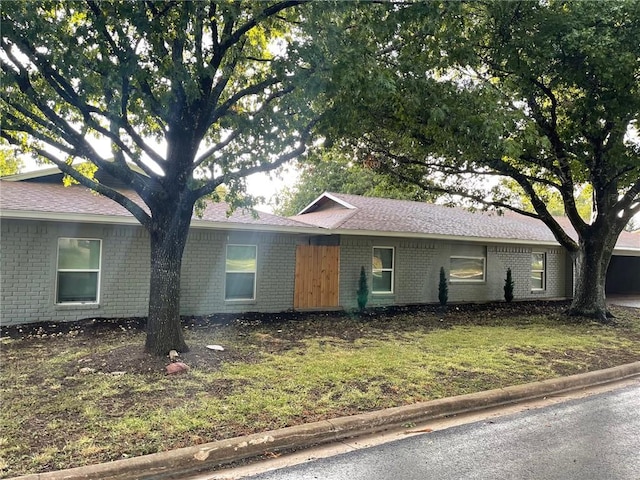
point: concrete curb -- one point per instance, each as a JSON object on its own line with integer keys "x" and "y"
{"x": 191, "y": 460}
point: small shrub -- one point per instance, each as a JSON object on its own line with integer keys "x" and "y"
{"x": 508, "y": 287}
{"x": 363, "y": 290}
{"x": 443, "y": 288}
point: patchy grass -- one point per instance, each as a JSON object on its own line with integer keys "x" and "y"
{"x": 90, "y": 394}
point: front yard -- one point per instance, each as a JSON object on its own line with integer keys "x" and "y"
{"x": 89, "y": 394}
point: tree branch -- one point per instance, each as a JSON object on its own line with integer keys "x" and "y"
{"x": 557, "y": 231}
{"x": 270, "y": 11}
{"x": 216, "y": 148}
{"x": 251, "y": 90}
{"x": 137, "y": 211}
{"x": 210, "y": 186}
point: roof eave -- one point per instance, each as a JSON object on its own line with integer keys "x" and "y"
{"x": 435, "y": 236}
{"x": 627, "y": 251}
{"x": 631, "y": 251}
{"x": 208, "y": 225}
{"x": 123, "y": 220}
{"x": 67, "y": 217}
{"x": 54, "y": 170}
{"x": 43, "y": 172}
{"x": 303, "y": 230}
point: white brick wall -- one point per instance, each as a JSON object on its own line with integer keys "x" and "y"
{"x": 28, "y": 257}
{"x": 125, "y": 271}
{"x": 19, "y": 276}
{"x": 417, "y": 270}
{"x": 28, "y": 272}
{"x": 203, "y": 272}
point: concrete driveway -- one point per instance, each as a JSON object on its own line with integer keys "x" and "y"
{"x": 624, "y": 300}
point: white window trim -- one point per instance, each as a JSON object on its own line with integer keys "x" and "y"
{"x": 92, "y": 270}
{"x": 543, "y": 271}
{"x": 484, "y": 270}
{"x": 392, "y": 270}
{"x": 255, "y": 273}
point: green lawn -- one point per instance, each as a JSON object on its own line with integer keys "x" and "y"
{"x": 66, "y": 401}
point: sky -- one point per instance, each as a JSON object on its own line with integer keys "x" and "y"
{"x": 269, "y": 185}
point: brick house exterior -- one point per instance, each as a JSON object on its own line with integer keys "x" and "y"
{"x": 418, "y": 265}
{"x": 35, "y": 215}
{"x": 424, "y": 237}
{"x": 242, "y": 263}
{"x": 28, "y": 272}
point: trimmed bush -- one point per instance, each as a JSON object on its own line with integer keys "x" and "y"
{"x": 443, "y": 288}
{"x": 508, "y": 287}
{"x": 363, "y": 290}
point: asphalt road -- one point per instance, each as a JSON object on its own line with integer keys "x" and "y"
{"x": 593, "y": 438}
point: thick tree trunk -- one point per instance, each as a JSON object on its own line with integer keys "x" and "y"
{"x": 591, "y": 263}
{"x": 164, "y": 328}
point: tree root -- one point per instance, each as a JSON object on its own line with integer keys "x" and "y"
{"x": 606, "y": 317}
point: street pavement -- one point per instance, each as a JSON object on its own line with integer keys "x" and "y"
{"x": 592, "y": 438}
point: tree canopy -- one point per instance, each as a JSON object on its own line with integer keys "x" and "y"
{"x": 441, "y": 95}
{"x": 203, "y": 81}
{"x": 10, "y": 164}
{"x": 192, "y": 94}
{"x": 455, "y": 96}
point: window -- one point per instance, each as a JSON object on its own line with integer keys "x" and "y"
{"x": 538, "y": 265}
{"x": 78, "y": 274}
{"x": 382, "y": 278}
{"x": 241, "y": 266}
{"x": 467, "y": 269}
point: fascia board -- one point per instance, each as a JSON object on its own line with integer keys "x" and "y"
{"x": 340, "y": 201}
{"x": 634, "y": 252}
{"x": 67, "y": 217}
{"x": 455, "y": 238}
{"x": 627, "y": 251}
{"x": 330, "y": 197}
{"x": 43, "y": 172}
{"x": 122, "y": 220}
{"x": 205, "y": 225}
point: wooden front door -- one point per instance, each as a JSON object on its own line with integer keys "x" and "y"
{"x": 317, "y": 276}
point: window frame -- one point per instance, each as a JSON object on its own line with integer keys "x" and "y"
{"x": 468, "y": 257}
{"x": 543, "y": 271}
{"x": 227, "y": 272}
{"x": 98, "y": 271}
{"x": 382, "y": 270}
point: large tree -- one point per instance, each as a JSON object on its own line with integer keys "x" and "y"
{"x": 546, "y": 94}
{"x": 192, "y": 94}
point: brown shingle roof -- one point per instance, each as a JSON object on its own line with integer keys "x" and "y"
{"x": 55, "y": 198}
{"x": 353, "y": 213}
{"x": 340, "y": 213}
{"x": 44, "y": 200}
